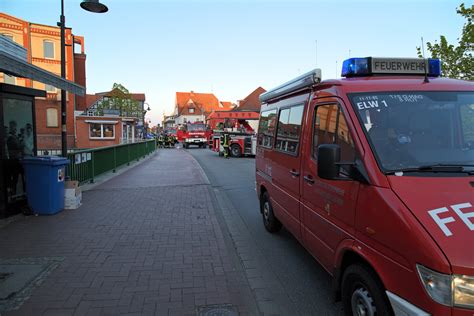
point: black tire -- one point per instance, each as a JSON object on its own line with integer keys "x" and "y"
{"x": 361, "y": 289}
{"x": 204, "y": 145}
{"x": 185, "y": 145}
{"x": 235, "y": 151}
{"x": 271, "y": 223}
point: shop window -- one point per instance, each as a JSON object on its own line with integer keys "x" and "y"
{"x": 105, "y": 131}
{"x": 48, "y": 49}
{"x": 52, "y": 118}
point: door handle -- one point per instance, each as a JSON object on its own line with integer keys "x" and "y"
{"x": 309, "y": 179}
{"x": 294, "y": 173}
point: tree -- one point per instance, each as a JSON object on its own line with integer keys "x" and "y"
{"x": 121, "y": 100}
{"x": 457, "y": 62}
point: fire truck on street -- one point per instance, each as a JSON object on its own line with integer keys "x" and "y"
{"x": 194, "y": 134}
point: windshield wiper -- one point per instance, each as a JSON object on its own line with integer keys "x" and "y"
{"x": 437, "y": 168}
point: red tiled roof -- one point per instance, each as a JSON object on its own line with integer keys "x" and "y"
{"x": 207, "y": 102}
{"x": 90, "y": 99}
{"x": 251, "y": 102}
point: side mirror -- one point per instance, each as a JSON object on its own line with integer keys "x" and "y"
{"x": 329, "y": 156}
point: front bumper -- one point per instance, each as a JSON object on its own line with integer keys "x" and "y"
{"x": 402, "y": 307}
{"x": 195, "y": 140}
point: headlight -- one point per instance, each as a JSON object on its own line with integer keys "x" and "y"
{"x": 463, "y": 291}
{"x": 446, "y": 289}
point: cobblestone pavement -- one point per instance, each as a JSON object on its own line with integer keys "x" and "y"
{"x": 149, "y": 241}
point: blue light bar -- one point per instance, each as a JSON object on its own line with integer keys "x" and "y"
{"x": 356, "y": 67}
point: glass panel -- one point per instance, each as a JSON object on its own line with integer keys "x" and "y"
{"x": 266, "y": 128}
{"x": 19, "y": 143}
{"x": 49, "y": 88}
{"x": 95, "y": 130}
{"x": 415, "y": 129}
{"x": 9, "y": 79}
{"x": 52, "y": 118}
{"x": 289, "y": 127}
{"x": 48, "y": 48}
{"x": 467, "y": 121}
{"x": 108, "y": 130}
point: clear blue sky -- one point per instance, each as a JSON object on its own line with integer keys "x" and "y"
{"x": 232, "y": 47}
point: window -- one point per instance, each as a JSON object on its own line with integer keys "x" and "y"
{"x": 48, "y": 49}
{"x": 10, "y": 37}
{"x": 330, "y": 127}
{"x": 191, "y": 111}
{"x": 102, "y": 131}
{"x": 52, "y": 118}
{"x": 9, "y": 79}
{"x": 266, "y": 128}
{"x": 49, "y": 88}
{"x": 289, "y": 129}
{"x": 467, "y": 123}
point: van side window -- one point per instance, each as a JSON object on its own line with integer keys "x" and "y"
{"x": 330, "y": 127}
{"x": 266, "y": 128}
{"x": 289, "y": 129}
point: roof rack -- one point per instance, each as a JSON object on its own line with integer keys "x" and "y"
{"x": 306, "y": 80}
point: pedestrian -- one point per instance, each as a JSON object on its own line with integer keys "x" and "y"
{"x": 226, "y": 143}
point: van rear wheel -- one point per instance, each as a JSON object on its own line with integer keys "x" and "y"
{"x": 363, "y": 293}
{"x": 271, "y": 223}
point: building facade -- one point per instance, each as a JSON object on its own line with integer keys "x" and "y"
{"x": 42, "y": 43}
{"x": 195, "y": 107}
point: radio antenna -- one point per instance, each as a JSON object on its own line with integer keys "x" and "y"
{"x": 424, "y": 61}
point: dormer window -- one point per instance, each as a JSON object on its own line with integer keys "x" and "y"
{"x": 191, "y": 111}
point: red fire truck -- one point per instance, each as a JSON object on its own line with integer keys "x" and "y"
{"x": 194, "y": 134}
{"x": 374, "y": 175}
{"x": 237, "y": 125}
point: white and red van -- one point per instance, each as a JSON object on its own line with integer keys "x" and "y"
{"x": 374, "y": 174}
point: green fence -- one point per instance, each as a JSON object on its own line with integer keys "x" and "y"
{"x": 85, "y": 165}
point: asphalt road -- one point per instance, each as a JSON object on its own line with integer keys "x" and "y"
{"x": 306, "y": 284}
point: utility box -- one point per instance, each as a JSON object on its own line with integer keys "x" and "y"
{"x": 45, "y": 183}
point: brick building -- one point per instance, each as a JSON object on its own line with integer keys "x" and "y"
{"x": 42, "y": 43}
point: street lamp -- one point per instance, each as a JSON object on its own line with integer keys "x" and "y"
{"x": 91, "y": 6}
{"x": 143, "y": 119}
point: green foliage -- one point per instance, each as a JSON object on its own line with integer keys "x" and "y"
{"x": 120, "y": 99}
{"x": 457, "y": 61}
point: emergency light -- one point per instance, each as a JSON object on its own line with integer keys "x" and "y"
{"x": 356, "y": 67}
{"x": 302, "y": 82}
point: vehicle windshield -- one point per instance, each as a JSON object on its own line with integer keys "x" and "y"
{"x": 416, "y": 129}
{"x": 196, "y": 127}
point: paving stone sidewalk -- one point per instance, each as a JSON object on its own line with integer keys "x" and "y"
{"x": 145, "y": 242}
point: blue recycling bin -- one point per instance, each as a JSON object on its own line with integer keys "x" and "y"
{"x": 45, "y": 183}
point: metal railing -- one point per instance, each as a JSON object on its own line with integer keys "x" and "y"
{"x": 85, "y": 165}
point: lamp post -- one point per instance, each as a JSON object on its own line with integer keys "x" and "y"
{"x": 91, "y": 6}
{"x": 143, "y": 119}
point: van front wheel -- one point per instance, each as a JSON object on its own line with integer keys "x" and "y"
{"x": 271, "y": 223}
{"x": 363, "y": 294}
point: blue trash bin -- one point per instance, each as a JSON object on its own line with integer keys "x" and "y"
{"x": 45, "y": 183}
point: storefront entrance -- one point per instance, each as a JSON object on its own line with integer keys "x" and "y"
{"x": 17, "y": 140}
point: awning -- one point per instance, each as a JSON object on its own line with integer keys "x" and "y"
{"x": 100, "y": 122}
{"x": 13, "y": 62}
{"x": 242, "y": 115}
